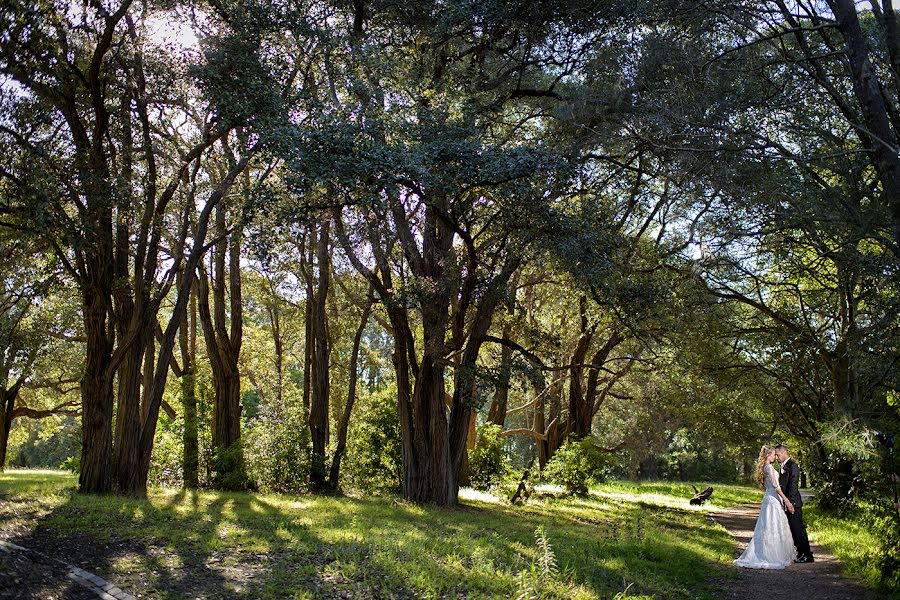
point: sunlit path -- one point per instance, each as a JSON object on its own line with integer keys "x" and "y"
{"x": 821, "y": 580}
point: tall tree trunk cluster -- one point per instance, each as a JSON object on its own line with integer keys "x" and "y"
{"x": 454, "y": 320}
{"x": 223, "y": 332}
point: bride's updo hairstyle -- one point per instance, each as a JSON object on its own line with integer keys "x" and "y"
{"x": 764, "y": 453}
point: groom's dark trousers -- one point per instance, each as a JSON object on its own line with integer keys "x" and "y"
{"x": 789, "y": 482}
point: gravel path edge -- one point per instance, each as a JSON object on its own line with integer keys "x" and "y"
{"x": 92, "y": 582}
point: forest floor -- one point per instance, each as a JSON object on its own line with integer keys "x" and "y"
{"x": 820, "y": 580}
{"x": 624, "y": 541}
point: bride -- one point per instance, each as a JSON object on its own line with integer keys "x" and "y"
{"x": 771, "y": 546}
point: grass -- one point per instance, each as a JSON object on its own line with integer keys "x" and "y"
{"x": 847, "y": 538}
{"x": 625, "y": 540}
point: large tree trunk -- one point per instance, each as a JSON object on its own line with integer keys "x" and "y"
{"x": 318, "y": 327}
{"x": 429, "y": 477}
{"x": 402, "y": 359}
{"x": 7, "y": 403}
{"x": 462, "y": 413}
{"x": 188, "y": 341}
{"x": 579, "y": 421}
{"x": 223, "y": 348}
{"x": 96, "y": 389}
{"x": 138, "y": 482}
{"x": 126, "y": 447}
{"x": 423, "y": 413}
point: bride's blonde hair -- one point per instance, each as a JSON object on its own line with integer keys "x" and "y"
{"x": 764, "y": 453}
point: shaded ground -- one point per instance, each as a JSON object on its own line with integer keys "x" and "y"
{"x": 821, "y": 580}
{"x": 25, "y": 575}
{"x": 28, "y": 575}
{"x": 218, "y": 545}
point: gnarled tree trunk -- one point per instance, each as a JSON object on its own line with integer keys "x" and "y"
{"x": 223, "y": 349}
{"x": 97, "y": 386}
{"x": 319, "y": 358}
{"x": 7, "y": 403}
{"x": 187, "y": 339}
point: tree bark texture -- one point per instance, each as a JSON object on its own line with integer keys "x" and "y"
{"x": 96, "y": 388}
{"x": 319, "y": 358}
{"x": 462, "y": 410}
{"x": 223, "y": 349}
{"x": 187, "y": 334}
{"x": 7, "y": 403}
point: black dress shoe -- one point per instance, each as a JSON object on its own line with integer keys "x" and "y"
{"x": 804, "y": 559}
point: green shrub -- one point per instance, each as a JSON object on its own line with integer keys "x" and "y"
{"x": 47, "y": 443}
{"x": 231, "y": 469}
{"x": 488, "y": 464}
{"x": 278, "y": 447}
{"x": 73, "y": 464}
{"x": 576, "y": 465}
{"x": 374, "y": 458}
{"x": 165, "y": 462}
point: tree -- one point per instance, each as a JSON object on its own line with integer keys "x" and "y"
{"x": 104, "y": 184}
{"x": 29, "y": 307}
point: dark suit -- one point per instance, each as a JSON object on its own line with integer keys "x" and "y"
{"x": 789, "y": 482}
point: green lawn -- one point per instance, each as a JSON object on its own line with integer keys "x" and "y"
{"x": 848, "y": 540}
{"x": 625, "y": 541}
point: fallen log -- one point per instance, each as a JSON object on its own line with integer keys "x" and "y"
{"x": 522, "y": 492}
{"x": 701, "y": 497}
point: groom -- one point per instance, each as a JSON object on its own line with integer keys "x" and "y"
{"x": 790, "y": 475}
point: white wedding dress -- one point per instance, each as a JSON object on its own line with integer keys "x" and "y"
{"x": 771, "y": 546}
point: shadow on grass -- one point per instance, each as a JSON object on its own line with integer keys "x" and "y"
{"x": 224, "y": 545}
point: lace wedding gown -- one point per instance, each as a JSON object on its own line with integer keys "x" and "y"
{"x": 771, "y": 546}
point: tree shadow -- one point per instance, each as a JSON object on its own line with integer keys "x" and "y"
{"x": 225, "y": 545}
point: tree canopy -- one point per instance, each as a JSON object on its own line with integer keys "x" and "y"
{"x": 292, "y": 246}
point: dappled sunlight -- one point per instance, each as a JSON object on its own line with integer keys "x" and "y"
{"x": 648, "y": 499}
{"x": 473, "y": 495}
{"x": 272, "y": 545}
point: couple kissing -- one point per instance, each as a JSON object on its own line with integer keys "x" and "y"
{"x": 779, "y": 528}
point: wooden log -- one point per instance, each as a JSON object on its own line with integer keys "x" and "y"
{"x": 701, "y": 497}
{"x": 522, "y": 492}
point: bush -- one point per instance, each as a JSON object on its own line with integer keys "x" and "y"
{"x": 488, "y": 464}
{"x": 47, "y": 443}
{"x": 882, "y": 519}
{"x": 231, "y": 470}
{"x": 278, "y": 447}
{"x": 165, "y": 462}
{"x": 72, "y": 464}
{"x": 374, "y": 458}
{"x": 576, "y": 465}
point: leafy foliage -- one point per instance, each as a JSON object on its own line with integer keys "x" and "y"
{"x": 374, "y": 453}
{"x": 576, "y": 465}
{"x": 488, "y": 464}
{"x": 278, "y": 447}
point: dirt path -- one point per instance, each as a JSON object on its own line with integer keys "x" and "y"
{"x": 821, "y": 580}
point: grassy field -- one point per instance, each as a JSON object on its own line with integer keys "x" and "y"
{"x": 849, "y": 541}
{"x": 624, "y": 541}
